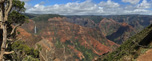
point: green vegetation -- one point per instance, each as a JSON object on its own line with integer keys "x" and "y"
{"x": 45, "y": 17}
{"x": 23, "y": 52}
{"x": 143, "y": 51}
{"x": 20, "y": 18}
{"x": 131, "y": 47}
{"x": 88, "y": 53}
{"x": 58, "y": 44}
{"x": 68, "y": 42}
{"x": 31, "y": 15}
{"x": 11, "y": 17}
{"x": 96, "y": 19}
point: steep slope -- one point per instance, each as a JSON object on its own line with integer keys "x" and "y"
{"x": 111, "y": 26}
{"x": 82, "y": 37}
{"x": 86, "y": 22}
{"x": 139, "y": 22}
{"x": 83, "y": 42}
{"x": 29, "y": 27}
{"x": 115, "y": 31}
{"x": 133, "y": 47}
{"x": 108, "y": 26}
{"x": 69, "y": 41}
{"x": 27, "y": 37}
{"x": 122, "y": 33}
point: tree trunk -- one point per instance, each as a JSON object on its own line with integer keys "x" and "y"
{"x": 4, "y": 27}
{"x": 3, "y": 46}
{"x": 1, "y": 15}
{"x": 1, "y": 19}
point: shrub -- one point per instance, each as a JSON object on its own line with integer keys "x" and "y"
{"x": 22, "y": 52}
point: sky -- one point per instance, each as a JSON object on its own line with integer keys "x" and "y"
{"x": 89, "y": 7}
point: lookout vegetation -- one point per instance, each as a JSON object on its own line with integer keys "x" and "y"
{"x": 11, "y": 17}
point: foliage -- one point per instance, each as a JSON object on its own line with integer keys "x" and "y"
{"x": 58, "y": 44}
{"x": 88, "y": 53}
{"x": 143, "y": 50}
{"x": 22, "y": 51}
{"x": 68, "y": 42}
{"x": 29, "y": 58}
{"x": 16, "y": 17}
{"x": 13, "y": 17}
{"x": 18, "y": 5}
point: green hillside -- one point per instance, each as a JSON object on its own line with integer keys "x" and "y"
{"x": 45, "y": 17}
{"x": 133, "y": 47}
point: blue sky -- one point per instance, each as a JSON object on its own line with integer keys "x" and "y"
{"x": 52, "y": 2}
{"x": 89, "y": 7}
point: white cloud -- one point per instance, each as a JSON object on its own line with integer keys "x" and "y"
{"x": 72, "y": 8}
{"x": 109, "y": 4}
{"x": 144, "y": 4}
{"x": 89, "y": 8}
{"x": 131, "y": 1}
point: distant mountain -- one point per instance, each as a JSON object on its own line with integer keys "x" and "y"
{"x": 123, "y": 33}
{"x": 112, "y": 25}
{"x": 108, "y": 26}
{"x": 137, "y": 21}
{"x": 45, "y": 17}
{"x": 86, "y": 22}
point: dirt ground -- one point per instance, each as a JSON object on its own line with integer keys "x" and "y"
{"x": 146, "y": 56}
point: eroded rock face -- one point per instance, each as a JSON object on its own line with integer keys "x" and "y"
{"x": 116, "y": 31}
{"x": 78, "y": 38}
{"x": 65, "y": 41}
{"x": 108, "y": 26}
{"x": 27, "y": 37}
{"x": 122, "y": 34}
{"x": 78, "y": 35}
{"x": 82, "y": 21}
{"x": 29, "y": 26}
{"x": 75, "y": 36}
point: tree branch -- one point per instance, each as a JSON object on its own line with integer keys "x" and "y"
{"x": 8, "y": 10}
{"x": 10, "y": 6}
{"x": 139, "y": 44}
{"x": 9, "y": 52}
{"x": 2, "y": 1}
{"x": 10, "y": 40}
{"x": 14, "y": 29}
{"x": 6, "y": 45}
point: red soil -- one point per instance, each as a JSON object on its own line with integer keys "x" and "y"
{"x": 146, "y": 57}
